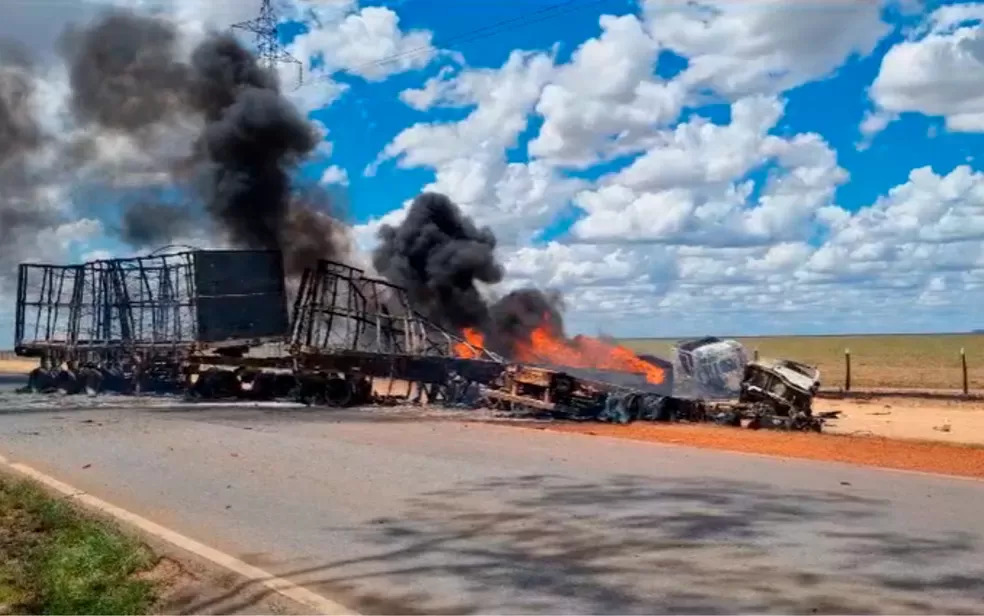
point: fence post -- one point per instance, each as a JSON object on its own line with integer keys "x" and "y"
{"x": 847, "y": 369}
{"x": 963, "y": 368}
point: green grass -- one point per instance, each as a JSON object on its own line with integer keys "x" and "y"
{"x": 930, "y": 361}
{"x": 56, "y": 560}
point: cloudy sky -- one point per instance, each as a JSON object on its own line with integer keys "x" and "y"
{"x": 673, "y": 167}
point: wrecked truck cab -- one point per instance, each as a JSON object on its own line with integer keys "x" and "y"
{"x": 712, "y": 367}
{"x": 787, "y": 387}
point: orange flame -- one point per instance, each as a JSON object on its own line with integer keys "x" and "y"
{"x": 546, "y": 347}
{"x": 473, "y": 338}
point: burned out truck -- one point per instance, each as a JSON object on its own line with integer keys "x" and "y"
{"x": 216, "y": 324}
{"x": 781, "y": 391}
{"x": 710, "y": 367}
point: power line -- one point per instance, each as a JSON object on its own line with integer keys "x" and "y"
{"x": 549, "y": 12}
{"x": 269, "y": 51}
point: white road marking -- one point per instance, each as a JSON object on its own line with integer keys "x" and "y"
{"x": 307, "y": 598}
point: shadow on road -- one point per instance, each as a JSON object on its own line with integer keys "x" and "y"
{"x": 548, "y": 544}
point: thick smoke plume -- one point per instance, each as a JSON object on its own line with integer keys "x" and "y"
{"x": 127, "y": 78}
{"x": 440, "y": 256}
{"x": 124, "y": 72}
{"x": 154, "y": 223}
{"x": 20, "y": 138}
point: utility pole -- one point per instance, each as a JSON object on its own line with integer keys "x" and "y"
{"x": 269, "y": 51}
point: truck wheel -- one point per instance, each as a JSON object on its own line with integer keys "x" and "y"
{"x": 338, "y": 392}
{"x": 91, "y": 381}
{"x": 67, "y": 382}
{"x": 40, "y": 381}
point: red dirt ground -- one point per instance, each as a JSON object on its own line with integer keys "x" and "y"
{"x": 925, "y": 456}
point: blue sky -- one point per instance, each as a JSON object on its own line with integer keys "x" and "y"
{"x": 832, "y": 106}
{"x": 740, "y": 167}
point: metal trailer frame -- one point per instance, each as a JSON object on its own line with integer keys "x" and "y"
{"x": 148, "y": 313}
{"x": 347, "y": 331}
{"x": 340, "y": 309}
{"x": 345, "y": 321}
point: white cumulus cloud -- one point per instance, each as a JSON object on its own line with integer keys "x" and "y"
{"x": 939, "y": 71}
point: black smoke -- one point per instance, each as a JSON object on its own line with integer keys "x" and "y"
{"x": 123, "y": 71}
{"x": 153, "y": 223}
{"x": 127, "y": 77}
{"x": 19, "y": 130}
{"x": 251, "y": 144}
{"x": 514, "y": 316}
{"x": 20, "y": 138}
{"x": 440, "y": 256}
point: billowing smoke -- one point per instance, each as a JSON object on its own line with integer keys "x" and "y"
{"x": 440, "y": 256}
{"x": 20, "y": 138}
{"x": 154, "y": 223}
{"x": 251, "y": 144}
{"x": 127, "y": 77}
{"x": 315, "y": 230}
{"x": 514, "y": 316}
{"x": 124, "y": 72}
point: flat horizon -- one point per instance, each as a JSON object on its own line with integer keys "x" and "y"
{"x": 855, "y": 335}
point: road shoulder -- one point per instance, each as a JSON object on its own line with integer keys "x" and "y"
{"x": 191, "y": 577}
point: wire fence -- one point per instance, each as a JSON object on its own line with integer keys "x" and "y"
{"x": 944, "y": 363}
{"x": 954, "y": 374}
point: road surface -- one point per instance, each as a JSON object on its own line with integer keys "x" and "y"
{"x": 388, "y": 513}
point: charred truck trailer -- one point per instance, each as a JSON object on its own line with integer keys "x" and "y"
{"x": 215, "y": 323}
{"x": 353, "y": 338}
{"x": 129, "y": 324}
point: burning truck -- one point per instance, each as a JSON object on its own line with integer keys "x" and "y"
{"x": 166, "y": 322}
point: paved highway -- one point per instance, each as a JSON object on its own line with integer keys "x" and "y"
{"x": 387, "y": 513}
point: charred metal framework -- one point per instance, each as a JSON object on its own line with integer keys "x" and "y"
{"x": 338, "y": 309}
{"x": 150, "y": 305}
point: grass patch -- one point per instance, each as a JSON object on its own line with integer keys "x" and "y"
{"x": 56, "y": 560}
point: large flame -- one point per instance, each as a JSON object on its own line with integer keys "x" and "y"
{"x": 544, "y": 347}
{"x": 475, "y": 342}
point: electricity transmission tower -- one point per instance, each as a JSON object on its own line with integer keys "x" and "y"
{"x": 268, "y": 48}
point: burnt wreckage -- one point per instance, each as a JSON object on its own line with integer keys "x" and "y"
{"x": 216, "y": 323}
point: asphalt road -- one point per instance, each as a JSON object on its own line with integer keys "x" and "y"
{"x": 389, "y": 513}
{"x": 11, "y": 381}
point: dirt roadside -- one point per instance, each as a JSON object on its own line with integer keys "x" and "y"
{"x": 946, "y": 421}
{"x": 17, "y": 366}
{"x": 923, "y": 456}
{"x": 893, "y": 433}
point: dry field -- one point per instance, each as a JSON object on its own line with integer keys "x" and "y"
{"x": 17, "y": 365}
{"x": 892, "y": 361}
